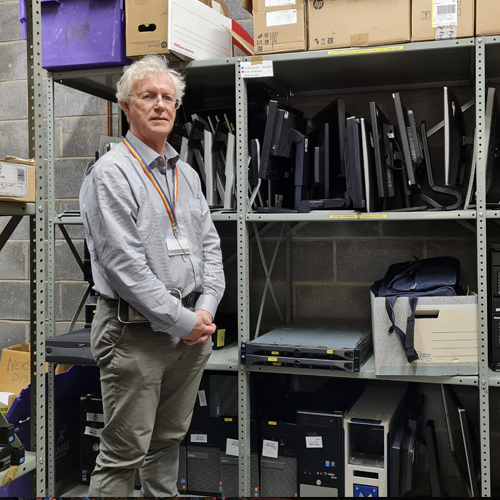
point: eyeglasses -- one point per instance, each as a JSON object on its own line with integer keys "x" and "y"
{"x": 153, "y": 100}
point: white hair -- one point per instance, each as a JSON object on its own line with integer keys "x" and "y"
{"x": 148, "y": 66}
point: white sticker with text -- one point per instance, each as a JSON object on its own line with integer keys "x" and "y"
{"x": 281, "y": 17}
{"x": 232, "y": 447}
{"x": 264, "y": 69}
{"x": 270, "y": 448}
{"x": 314, "y": 442}
{"x": 199, "y": 438}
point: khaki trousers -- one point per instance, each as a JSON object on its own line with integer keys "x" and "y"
{"x": 149, "y": 384}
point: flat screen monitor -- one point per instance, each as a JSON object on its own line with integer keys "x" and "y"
{"x": 383, "y": 164}
{"x": 277, "y": 148}
{"x": 462, "y": 440}
{"x": 335, "y": 115}
{"x": 412, "y": 153}
{"x": 454, "y": 140}
{"x": 368, "y": 156}
{"x": 492, "y": 136}
{"x": 354, "y": 164}
{"x": 319, "y": 164}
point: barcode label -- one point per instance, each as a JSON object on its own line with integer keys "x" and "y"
{"x": 281, "y": 17}
{"x": 446, "y": 9}
{"x": 444, "y": 13}
{"x": 13, "y": 180}
{"x": 21, "y": 175}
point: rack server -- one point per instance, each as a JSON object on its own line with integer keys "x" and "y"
{"x": 494, "y": 308}
{"x": 312, "y": 343}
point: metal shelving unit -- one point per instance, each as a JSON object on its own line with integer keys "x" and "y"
{"x": 472, "y": 62}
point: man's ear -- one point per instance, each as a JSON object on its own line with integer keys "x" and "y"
{"x": 126, "y": 107}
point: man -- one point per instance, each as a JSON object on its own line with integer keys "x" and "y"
{"x": 157, "y": 265}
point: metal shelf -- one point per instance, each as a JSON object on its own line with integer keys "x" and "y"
{"x": 407, "y": 65}
{"x": 367, "y": 372}
{"x": 343, "y": 216}
{"x": 75, "y": 220}
{"x": 28, "y": 466}
{"x": 211, "y": 76}
{"x": 14, "y": 208}
{"x": 224, "y": 359}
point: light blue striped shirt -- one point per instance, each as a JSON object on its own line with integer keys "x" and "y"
{"x": 126, "y": 228}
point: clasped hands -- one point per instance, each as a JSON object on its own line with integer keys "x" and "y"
{"x": 202, "y": 330}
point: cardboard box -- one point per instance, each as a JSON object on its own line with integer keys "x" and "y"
{"x": 17, "y": 180}
{"x": 487, "y": 17}
{"x": 279, "y": 26}
{"x": 348, "y": 23}
{"x": 454, "y": 21}
{"x": 446, "y": 337}
{"x": 218, "y": 5}
{"x": 184, "y": 29}
{"x": 15, "y": 368}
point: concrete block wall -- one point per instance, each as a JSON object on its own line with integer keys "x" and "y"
{"x": 333, "y": 264}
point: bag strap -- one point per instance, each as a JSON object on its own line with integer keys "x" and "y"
{"x": 407, "y": 339}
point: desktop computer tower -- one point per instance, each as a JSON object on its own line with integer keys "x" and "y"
{"x": 369, "y": 427}
{"x": 91, "y": 424}
{"x": 203, "y": 443}
{"x": 217, "y": 395}
{"x": 320, "y": 467}
{"x": 278, "y": 461}
{"x": 494, "y": 308}
{"x": 182, "y": 474}
{"x": 229, "y": 459}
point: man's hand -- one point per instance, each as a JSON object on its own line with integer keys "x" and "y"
{"x": 202, "y": 330}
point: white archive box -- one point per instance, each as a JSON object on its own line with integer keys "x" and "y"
{"x": 446, "y": 336}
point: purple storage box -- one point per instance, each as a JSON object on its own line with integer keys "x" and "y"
{"x": 80, "y": 34}
{"x": 68, "y": 387}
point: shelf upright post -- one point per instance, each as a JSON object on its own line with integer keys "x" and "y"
{"x": 37, "y": 240}
{"x": 243, "y": 279}
{"x": 51, "y": 249}
{"x": 482, "y": 271}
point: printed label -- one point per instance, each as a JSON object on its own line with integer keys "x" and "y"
{"x": 202, "y": 398}
{"x": 232, "y": 447}
{"x": 95, "y": 417}
{"x": 199, "y": 438}
{"x": 270, "y": 448}
{"x": 279, "y": 3}
{"x": 444, "y": 13}
{"x": 314, "y": 442}
{"x": 221, "y": 337}
{"x": 13, "y": 180}
{"x": 272, "y": 359}
{"x": 249, "y": 70}
{"x": 281, "y": 18}
{"x": 92, "y": 431}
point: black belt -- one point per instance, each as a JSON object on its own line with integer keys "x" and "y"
{"x": 190, "y": 299}
{"x": 127, "y": 314}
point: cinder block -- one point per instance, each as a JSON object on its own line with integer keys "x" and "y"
{"x": 14, "y": 261}
{"x": 464, "y": 251}
{"x": 22, "y": 230}
{"x": 66, "y": 267}
{"x": 13, "y": 333}
{"x": 270, "y": 316}
{"x": 339, "y": 229}
{"x": 13, "y": 137}
{"x": 236, "y": 11}
{"x": 368, "y": 261}
{"x": 268, "y": 249}
{"x": 13, "y": 60}
{"x": 10, "y": 27}
{"x": 15, "y": 303}
{"x": 69, "y": 177}
{"x": 13, "y": 102}
{"x": 70, "y": 297}
{"x": 312, "y": 261}
{"x": 71, "y": 102}
{"x": 343, "y": 302}
{"x": 437, "y": 229}
{"x": 79, "y": 136}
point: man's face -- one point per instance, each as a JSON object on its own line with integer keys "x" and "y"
{"x": 151, "y": 122}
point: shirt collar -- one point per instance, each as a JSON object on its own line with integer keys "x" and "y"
{"x": 151, "y": 157}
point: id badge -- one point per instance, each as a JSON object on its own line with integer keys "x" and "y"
{"x": 177, "y": 246}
